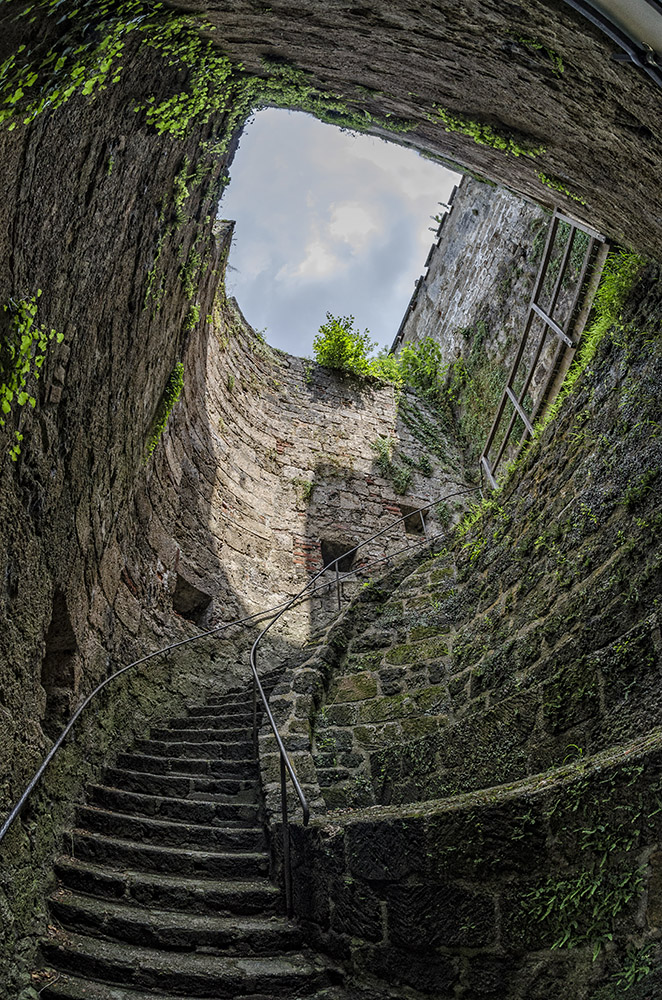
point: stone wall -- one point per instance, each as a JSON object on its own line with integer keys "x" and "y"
{"x": 473, "y": 302}
{"x": 530, "y": 635}
{"x": 114, "y": 222}
{"x": 527, "y": 650}
{"x": 538, "y": 890}
{"x": 270, "y": 462}
{"x": 479, "y": 270}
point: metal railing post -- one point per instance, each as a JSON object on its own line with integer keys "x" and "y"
{"x": 423, "y": 524}
{"x": 255, "y": 740}
{"x": 287, "y": 864}
{"x": 338, "y": 585}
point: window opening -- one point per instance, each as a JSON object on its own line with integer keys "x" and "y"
{"x": 332, "y": 550}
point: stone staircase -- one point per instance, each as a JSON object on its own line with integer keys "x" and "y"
{"x": 165, "y": 891}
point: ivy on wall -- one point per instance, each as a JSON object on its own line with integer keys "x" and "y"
{"x": 171, "y": 394}
{"x": 22, "y": 354}
{"x": 85, "y": 56}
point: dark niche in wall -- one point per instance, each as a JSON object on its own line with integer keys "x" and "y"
{"x": 414, "y": 520}
{"x": 58, "y": 674}
{"x": 332, "y": 550}
{"x": 189, "y": 601}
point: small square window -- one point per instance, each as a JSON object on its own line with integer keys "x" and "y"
{"x": 332, "y": 550}
{"x": 413, "y": 520}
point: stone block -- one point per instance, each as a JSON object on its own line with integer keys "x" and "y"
{"x": 434, "y": 975}
{"x": 374, "y": 737}
{"x": 413, "y": 652}
{"x": 385, "y": 850}
{"x": 342, "y": 715}
{"x": 356, "y": 910}
{"x": 487, "y": 842}
{"x": 356, "y": 687}
{"x": 431, "y": 915}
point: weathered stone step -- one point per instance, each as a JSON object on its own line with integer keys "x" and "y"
{"x": 183, "y": 861}
{"x": 245, "y": 768}
{"x": 181, "y": 973}
{"x": 234, "y": 699}
{"x": 197, "y": 735}
{"x": 169, "y": 929}
{"x": 167, "y": 891}
{"x": 231, "y": 789}
{"x": 72, "y": 988}
{"x": 183, "y": 749}
{"x": 169, "y": 832}
{"x": 212, "y": 721}
{"x": 229, "y": 711}
{"x": 188, "y": 810}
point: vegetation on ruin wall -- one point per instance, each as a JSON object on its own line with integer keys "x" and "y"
{"x": 171, "y": 394}
{"x": 464, "y": 392}
{"x": 82, "y": 54}
{"x": 22, "y": 353}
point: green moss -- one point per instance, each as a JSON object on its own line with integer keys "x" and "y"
{"x": 618, "y": 277}
{"x": 171, "y": 394}
{"x": 22, "y": 354}
{"x": 415, "y": 651}
{"x": 556, "y": 184}
{"x": 427, "y": 631}
{"x": 485, "y": 135}
{"x": 537, "y": 46}
{"x": 87, "y": 57}
{"x": 355, "y": 687}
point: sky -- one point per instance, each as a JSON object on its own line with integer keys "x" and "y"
{"x": 326, "y": 221}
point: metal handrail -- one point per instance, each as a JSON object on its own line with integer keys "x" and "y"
{"x": 18, "y": 808}
{"x": 306, "y": 593}
{"x": 285, "y": 762}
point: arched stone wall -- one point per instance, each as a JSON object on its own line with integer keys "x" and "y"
{"x": 102, "y": 213}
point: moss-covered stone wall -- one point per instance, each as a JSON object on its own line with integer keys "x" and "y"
{"x": 537, "y": 890}
{"x": 523, "y": 657}
{"x": 534, "y": 636}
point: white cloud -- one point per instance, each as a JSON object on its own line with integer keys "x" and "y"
{"x": 355, "y": 223}
{"x": 319, "y": 261}
{"x": 327, "y": 221}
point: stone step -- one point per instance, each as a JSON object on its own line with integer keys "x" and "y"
{"x": 166, "y": 833}
{"x": 234, "y": 699}
{"x": 185, "y": 750}
{"x": 73, "y": 988}
{"x": 243, "y": 768}
{"x": 182, "y": 973}
{"x": 168, "y": 891}
{"x": 230, "y": 711}
{"x": 169, "y": 929}
{"x": 231, "y": 789}
{"x": 206, "y": 811}
{"x": 212, "y": 721}
{"x": 199, "y": 735}
{"x": 182, "y": 861}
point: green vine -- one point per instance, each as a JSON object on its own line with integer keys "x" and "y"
{"x": 557, "y": 185}
{"x": 22, "y": 354}
{"x": 485, "y": 135}
{"x": 87, "y": 57}
{"x": 171, "y": 394}
{"x": 552, "y": 54}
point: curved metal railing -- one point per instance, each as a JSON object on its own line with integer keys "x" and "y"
{"x": 304, "y": 594}
{"x": 274, "y": 613}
